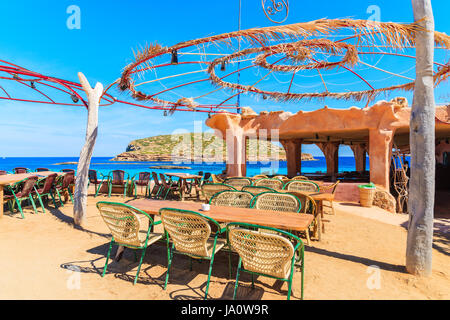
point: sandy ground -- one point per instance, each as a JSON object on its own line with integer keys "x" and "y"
{"x": 361, "y": 256}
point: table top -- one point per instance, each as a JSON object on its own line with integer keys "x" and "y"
{"x": 280, "y": 220}
{"x": 182, "y": 175}
{"x": 12, "y": 178}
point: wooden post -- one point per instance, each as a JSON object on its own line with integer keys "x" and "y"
{"x": 422, "y": 144}
{"x": 82, "y": 179}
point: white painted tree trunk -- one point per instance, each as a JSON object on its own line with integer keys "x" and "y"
{"x": 422, "y": 141}
{"x": 82, "y": 179}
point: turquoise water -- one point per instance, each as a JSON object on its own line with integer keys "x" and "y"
{"x": 104, "y": 165}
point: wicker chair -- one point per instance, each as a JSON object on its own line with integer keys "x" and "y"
{"x": 269, "y": 252}
{"x": 190, "y": 235}
{"x": 329, "y": 189}
{"x": 21, "y": 170}
{"x": 257, "y": 189}
{"x": 47, "y": 189}
{"x": 116, "y": 178}
{"x": 232, "y": 198}
{"x": 276, "y": 201}
{"x": 216, "y": 179}
{"x": 309, "y": 206}
{"x": 63, "y": 185}
{"x": 209, "y": 189}
{"x": 124, "y": 222}
{"x": 3, "y": 172}
{"x": 19, "y": 192}
{"x": 93, "y": 178}
{"x": 41, "y": 169}
{"x": 143, "y": 180}
{"x": 299, "y": 178}
{"x": 169, "y": 187}
{"x": 259, "y": 176}
{"x": 68, "y": 171}
{"x": 268, "y": 182}
{"x": 301, "y": 185}
{"x": 157, "y": 187}
{"x": 238, "y": 182}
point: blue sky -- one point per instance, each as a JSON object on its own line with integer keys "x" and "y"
{"x": 34, "y": 34}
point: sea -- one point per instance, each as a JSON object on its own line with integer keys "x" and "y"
{"x": 104, "y": 165}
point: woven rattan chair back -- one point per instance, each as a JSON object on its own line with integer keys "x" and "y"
{"x": 259, "y": 176}
{"x": 210, "y": 189}
{"x": 42, "y": 169}
{"x": 277, "y": 202}
{"x": 301, "y": 185}
{"x": 216, "y": 179}
{"x": 68, "y": 171}
{"x": 69, "y": 178}
{"x": 238, "y": 182}
{"x": 308, "y": 205}
{"x": 93, "y": 176}
{"x": 48, "y": 184}
{"x": 232, "y": 198}
{"x": 188, "y": 231}
{"x": 118, "y": 177}
{"x": 331, "y": 188}
{"x": 257, "y": 189}
{"x": 143, "y": 178}
{"x": 271, "y": 183}
{"x": 261, "y": 252}
{"x": 27, "y": 187}
{"x": 155, "y": 179}
{"x": 164, "y": 182}
{"x": 3, "y": 172}
{"x": 20, "y": 170}
{"x": 123, "y": 222}
{"x": 299, "y": 178}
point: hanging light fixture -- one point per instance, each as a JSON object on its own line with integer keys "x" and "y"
{"x": 264, "y": 97}
{"x": 209, "y": 115}
{"x": 222, "y": 66}
{"x": 32, "y": 85}
{"x": 15, "y": 76}
{"x": 174, "y": 59}
{"x": 165, "y": 113}
{"x": 74, "y": 98}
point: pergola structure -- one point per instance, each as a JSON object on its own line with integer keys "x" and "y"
{"x": 372, "y": 130}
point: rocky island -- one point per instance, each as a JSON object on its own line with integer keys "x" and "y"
{"x": 202, "y": 147}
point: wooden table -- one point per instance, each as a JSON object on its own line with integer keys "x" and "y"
{"x": 274, "y": 219}
{"x": 8, "y": 179}
{"x": 182, "y": 181}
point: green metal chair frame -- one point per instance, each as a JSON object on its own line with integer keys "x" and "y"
{"x": 14, "y": 188}
{"x": 232, "y": 198}
{"x": 100, "y": 182}
{"x": 299, "y": 249}
{"x": 184, "y": 226}
{"x": 238, "y": 182}
{"x": 220, "y": 187}
{"x": 134, "y": 184}
{"x": 60, "y": 182}
{"x": 131, "y": 221}
{"x": 275, "y": 203}
{"x": 269, "y": 182}
{"x": 308, "y": 186}
{"x": 126, "y": 178}
{"x": 46, "y": 194}
{"x": 257, "y": 189}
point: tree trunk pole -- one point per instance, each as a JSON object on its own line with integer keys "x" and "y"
{"x": 422, "y": 144}
{"x": 82, "y": 179}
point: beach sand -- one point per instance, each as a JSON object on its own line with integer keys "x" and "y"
{"x": 45, "y": 257}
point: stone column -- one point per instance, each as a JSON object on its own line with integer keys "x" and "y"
{"x": 293, "y": 148}
{"x": 380, "y": 150}
{"x": 236, "y": 153}
{"x": 331, "y": 153}
{"x": 359, "y": 151}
